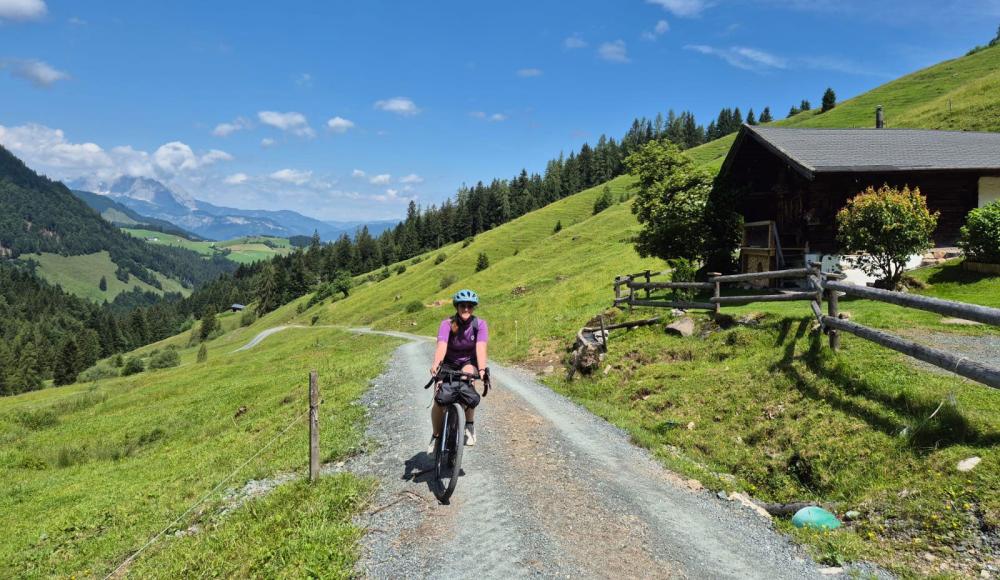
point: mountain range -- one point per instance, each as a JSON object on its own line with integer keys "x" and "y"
{"x": 152, "y": 199}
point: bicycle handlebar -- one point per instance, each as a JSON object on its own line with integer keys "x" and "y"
{"x": 442, "y": 374}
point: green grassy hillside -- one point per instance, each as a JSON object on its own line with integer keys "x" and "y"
{"x": 81, "y": 275}
{"x": 240, "y": 250}
{"x": 92, "y": 471}
{"x": 957, "y": 94}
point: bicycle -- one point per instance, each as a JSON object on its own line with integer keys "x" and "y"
{"x": 448, "y": 451}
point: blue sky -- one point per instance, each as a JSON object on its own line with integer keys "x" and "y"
{"x": 345, "y": 110}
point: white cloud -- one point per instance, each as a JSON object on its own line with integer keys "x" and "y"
{"x": 292, "y": 122}
{"x": 266, "y": 142}
{"x": 682, "y": 8}
{"x": 380, "y": 179}
{"x": 494, "y": 118}
{"x": 47, "y": 150}
{"x": 742, "y": 57}
{"x": 661, "y": 28}
{"x": 294, "y": 176}
{"x": 304, "y": 80}
{"x": 22, "y": 9}
{"x": 225, "y": 129}
{"x": 399, "y": 105}
{"x": 411, "y": 178}
{"x": 613, "y": 51}
{"x": 176, "y": 157}
{"x": 339, "y": 125}
{"x": 573, "y": 42}
{"x": 77, "y": 21}
{"x": 357, "y": 173}
{"x": 237, "y": 178}
{"x": 529, "y": 72}
{"x": 38, "y": 73}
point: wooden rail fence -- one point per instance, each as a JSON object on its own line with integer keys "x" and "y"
{"x": 824, "y": 286}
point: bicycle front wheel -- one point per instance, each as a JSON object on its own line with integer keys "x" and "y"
{"x": 448, "y": 454}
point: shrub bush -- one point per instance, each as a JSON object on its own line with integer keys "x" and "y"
{"x": 467, "y": 241}
{"x": 604, "y": 201}
{"x": 203, "y": 353}
{"x": 133, "y": 365}
{"x": 448, "y": 280}
{"x": 440, "y": 258}
{"x": 416, "y": 260}
{"x": 248, "y": 317}
{"x": 683, "y": 270}
{"x": 981, "y": 234}
{"x": 557, "y": 228}
{"x": 482, "y": 262}
{"x": 102, "y": 370}
{"x": 400, "y": 269}
{"x": 414, "y": 306}
{"x": 886, "y": 226}
{"x": 166, "y": 359}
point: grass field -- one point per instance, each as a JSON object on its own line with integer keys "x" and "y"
{"x": 91, "y": 471}
{"x": 958, "y": 94}
{"x": 241, "y": 250}
{"x": 81, "y": 275}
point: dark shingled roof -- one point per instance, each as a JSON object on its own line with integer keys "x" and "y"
{"x": 840, "y": 150}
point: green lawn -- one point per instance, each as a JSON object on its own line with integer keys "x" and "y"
{"x": 81, "y": 275}
{"x": 91, "y": 471}
{"x": 242, "y": 250}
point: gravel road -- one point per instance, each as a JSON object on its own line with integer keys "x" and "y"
{"x": 550, "y": 490}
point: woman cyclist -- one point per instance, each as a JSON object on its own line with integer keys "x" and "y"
{"x": 461, "y": 346}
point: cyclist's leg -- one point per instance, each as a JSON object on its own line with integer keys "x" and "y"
{"x": 470, "y": 412}
{"x": 437, "y": 418}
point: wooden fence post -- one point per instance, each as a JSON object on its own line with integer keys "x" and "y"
{"x": 313, "y": 426}
{"x": 834, "y": 312}
{"x": 618, "y": 289}
{"x": 718, "y": 289}
{"x": 646, "y": 274}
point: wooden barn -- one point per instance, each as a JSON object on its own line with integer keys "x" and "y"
{"x": 792, "y": 182}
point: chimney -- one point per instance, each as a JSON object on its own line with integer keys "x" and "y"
{"x": 879, "y": 118}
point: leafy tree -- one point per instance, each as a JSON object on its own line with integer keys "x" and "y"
{"x": 67, "y": 364}
{"x": 765, "y": 116}
{"x": 209, "y": 324}
{"x": 829, "y": 100}
{"x": 343, "y": 282}
{"x": 482, "y": 262}
{"x": 670, "y": 202}
{"x": 103, "y": 284}
{"x": 980, "y": 236}
{"x": 203, "y": 353}
{"x": 604, "y": 201}
{"x": 166, "y": 358}
{"x": 886, "y": 226}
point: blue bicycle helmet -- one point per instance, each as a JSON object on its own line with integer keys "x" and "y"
{"x": 464, "y": 295}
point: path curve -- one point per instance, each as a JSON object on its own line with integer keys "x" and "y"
{"x": 550, "y": 490}
{"x": 266, "y": 333}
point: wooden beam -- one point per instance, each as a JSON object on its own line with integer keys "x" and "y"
{"x": 672, "y": 285}
{"x": 987, "y": 375}
{"x": 786, "y": 297}
{"x": 793, "y": 273}
{"x": 983, "y": 314}
{"x": 673, "y": 304}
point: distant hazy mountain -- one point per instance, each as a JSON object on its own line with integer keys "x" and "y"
{"x": 125, "y": 217}
{"x": 150, "y": 198}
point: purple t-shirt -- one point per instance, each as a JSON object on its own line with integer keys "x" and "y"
{"x": 462, "y": 345}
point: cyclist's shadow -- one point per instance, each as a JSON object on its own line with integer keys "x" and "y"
{"x": 420, "y": 469}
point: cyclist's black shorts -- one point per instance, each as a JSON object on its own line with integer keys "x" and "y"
{"x": 457, "y": 391}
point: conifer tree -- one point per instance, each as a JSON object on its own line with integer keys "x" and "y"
{"x": 482, "y": 262}
{"x": 67, "y": 364}
{"x": 805, "y": 105}
{"x": 103, "y": 284}
{"x": 209, "y": 324}
{"x": 765, "y": 115}
{"x": 751, "y": 119}
{"x": 829, "y": 100}
{"x": 203, "y": 353}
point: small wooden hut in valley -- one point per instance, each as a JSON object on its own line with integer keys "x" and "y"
{"x": 792, "y": 182}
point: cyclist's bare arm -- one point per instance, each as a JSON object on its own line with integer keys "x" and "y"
{"x": 442, "y": 349}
